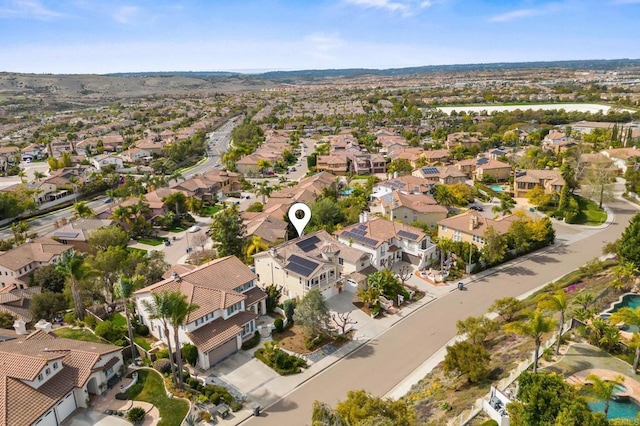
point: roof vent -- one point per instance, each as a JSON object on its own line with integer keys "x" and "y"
{"x": 175, "y": 276}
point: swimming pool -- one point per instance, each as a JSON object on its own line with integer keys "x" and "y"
{"x": 497, "y": 188}
{"x": 628, "y": 301}
{"x": 618, "y": 408}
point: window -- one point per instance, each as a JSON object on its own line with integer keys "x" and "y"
{"x": 233, "y": 308}
{"x": 109, "y": 372}
{"x": 444, "y": 228}
{"x": 40, "y": 377}
{"x": 340, "y": 261}
{"x": 47, "y": 371}
{"x": 55, "y": 365}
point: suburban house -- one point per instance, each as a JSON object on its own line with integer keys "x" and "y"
{"x": 76, "y": 232}
{"x": 388, "y": 242}
{"x": 407, "y": 184}
{"x": 268, "y": 225}
{"x": 550, "y": 180}
{"x": 443, "y": 175}
{"x": 557, "y": 141}
{"x": 336, "y": 164}
{"x": 45, "y": 378}
{"x": 228, "y": 305}
{"x": 306, "y": 191}
{"x": 206, "y": 186}
{"x": 15, "y": 301}
{"x": 464, "y": 139}
{"x": 483, "y": 167}
{"x": 313, "y": 262}
{"x": 32, "y": 152}
{"x": 136, "y": 155}
{"x": 622, "y": 157}
{"x": 17, "y": 264}
{"x": 410, "y": 208}
{"x": 100, "y": 161}
{"x": 471, "y": 227}
{"x": 363, "y": 164}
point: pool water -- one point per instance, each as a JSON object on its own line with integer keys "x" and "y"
{"x": 497, "y": 188}
{"x": 618, "y": 409}
{"x": 629, "y": 300}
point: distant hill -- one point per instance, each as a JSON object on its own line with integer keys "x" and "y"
{"x": 587, "y": 64}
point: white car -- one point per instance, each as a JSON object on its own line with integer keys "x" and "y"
{"x": 194, "y": 228}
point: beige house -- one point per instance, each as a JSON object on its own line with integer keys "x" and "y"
{"x": 336, "y": 164}
{"x": 314, "y": 261}
{"x": 18, "y": 263}
{"x": 471, "y": 227}
{"x": 229, "y": 302}
{"x": 45, "y": 378}
{"x": 76, "y": 232}
{"x": 497, "y": 170}
{"x": 443, "y": 175}
{"x": 526, "y": 180}
{"x": 410, "y": 208}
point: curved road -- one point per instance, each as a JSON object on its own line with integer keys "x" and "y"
{"x": 381, "y": 364}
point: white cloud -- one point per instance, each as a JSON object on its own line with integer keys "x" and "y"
{"x": 530, "y": 12}
{"x": 32, "y": 9}
{"x": 406, "y": 7}
{"x": 126, "y": 14}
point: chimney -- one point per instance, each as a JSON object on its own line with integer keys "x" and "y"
{"x": 473, "y": 222}
{"x": 395, "y": 175}
{"x": 361, "y": 218}
{"x": 20, "y": 327}
{"x": 43, "y": 325}
{"x": 175, "y": 276}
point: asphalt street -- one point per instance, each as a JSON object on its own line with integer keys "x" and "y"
{"x": 379, "y": 365}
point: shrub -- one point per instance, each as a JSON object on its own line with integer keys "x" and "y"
{"x": 89, "y": 321}
{"x": 142, "y": 330}
{"x": 193, "y": 382}
{"x": 215, "y": 398}
{"x": 108, "y": 331}
{"x": 190, "y": 354}
{"x": 162, "y": 365}
{"x": 279, "y": 325}
{"x": 122, "y": 396}
{"x": 162, "y": 353}
{"x": 490, "y": 422}
{"x": 206, "y": 416}
{"x": 253, "y": 342}
{"x": 70, "y": 317}
{"x": 289, "y": 308}
{"x": 236, "y": 406}
{"x": 136, "y": 415}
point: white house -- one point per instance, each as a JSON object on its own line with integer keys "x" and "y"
{"x": 228, "y": 304}
{"x": 388, "y": 242}
{"x": 100, "y": 161}
{"x": 45, "y": 378}
{"x": 313, "y": 262}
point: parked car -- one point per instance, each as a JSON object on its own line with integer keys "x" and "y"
{"x": 477, "y": 208}
{"x": 293, "y": 169}
{"x": 107, "y": 200}
{"x": 194, "y": 228}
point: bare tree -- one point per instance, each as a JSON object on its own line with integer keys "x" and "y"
{"x": 343, "y": 320}
{"x": 404, "y": 273}
{"x": 200, "y": 239}
{"x": 598, "y": 180}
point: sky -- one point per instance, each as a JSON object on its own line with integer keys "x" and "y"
{"x": 106, "y": 36}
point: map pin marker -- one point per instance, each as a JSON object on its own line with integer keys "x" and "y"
{"x": 299, "y": 222}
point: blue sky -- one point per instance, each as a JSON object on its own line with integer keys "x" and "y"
{"x": 102, "y": 36}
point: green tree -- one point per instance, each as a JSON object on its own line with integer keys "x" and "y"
{"x": 623, "y": 272}
{"x": 47, "y": 304}
{"x": 190, "y": 354}
{"x": 256, "y": 245}
{"x": 467, "y": 358}
{"x": 111, "y": 236}
{"x": 159, "y": 308}
{"x": 535, "y": 327}
{"x": 177, "y": 202}
{"x": 312, "y": 313}
{"x": 556, "y": 302}
{"x": 476, "y": 328}
{"x": 228, "y": 231}
{"x": 326, "y": 214}
{"x": 123, "y": 290}
{"x": 361, "y": 408}
{"x": 265, "y": 190}
{"x": 495, "y": 247}
{"x": 629, "y": 316}
{"x": 6, "y": 320}
{"x": 180, "y": 309}
{"x": 82, "y": 210}
{"x": 74, "y": 268}
{"x": 506, "y": 205}
{"x": 387, "y": 284}
{"x": 48, "y": 278}
{"x": 507, "y": 308}
{"x": 108, "y": 330}
{"x": 598, "y": 179}
{"x": 400, "y": 165}
{"x": 274, "y": 292}
{"x": 323, "y": 415}
{"x": 603, "y": 389}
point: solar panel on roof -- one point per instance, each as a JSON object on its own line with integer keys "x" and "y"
{"x": 308, "y": 244}
{"x": 359, "y": 231}
{"x": 482, "y": 161}
{"x": 300, "y": 265}
{"x": 430, "y": 170}
{"x": 406, "y": 234}
{"x": 360, "y": 238}
{"x": 363, "y": 227}
{"x": 66, "y": 234}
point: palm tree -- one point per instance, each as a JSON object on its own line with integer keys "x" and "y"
{"x": 38, "y": 175}
{"x": 584, "y": 300}
{"x": 73, "y": 267}
{"x": 265, "y": 190}
{"x": 177, "y": 200}
{"x": 22, "y": 175}
{"x": 506, "y": 205}
{"x": 623, "y": 272}
{"x": 123, "y": 289}
{"x": 603, "y": 389}
{"x": 535, "y": 327}
{"x": 556, "y": 302}
{"x": 19, "y": 230}
{"x": 256, "y": 245}
{"x": 82, "y": 210}
{"x": 263, "y": 165}
{"x": 629, "y": 316}
{"x": 180, "y": 310}
{"x": 121, "y": 214}
{"x": 74, "y": 181}
{"x": 160, "y": 308}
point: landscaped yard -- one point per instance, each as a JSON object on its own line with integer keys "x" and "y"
{"x": 143, "y": 342}
{"x": 79, "y": 334}
{"x": 590, "y": 214}
{"x": 133, "y": 249}
{"x": 150, "y": 388}
{"x": 211, "y": 210}
{"x": 151, "y": 241}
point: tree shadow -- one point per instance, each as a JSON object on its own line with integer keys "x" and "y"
{"x": 281, "y": 406}
{"x": 541, "y": 258}
{"x": 363, "y": 351}
{"x": 518, "y": 270}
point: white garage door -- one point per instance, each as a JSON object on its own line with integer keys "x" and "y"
{"x": 49, "y": 419}
{"x": 65, "y": 407}
{"x": 330, "y": 292}
{"x": 223, "y": 351}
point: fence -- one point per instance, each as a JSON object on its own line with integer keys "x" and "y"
{"x": 466, "y": 416}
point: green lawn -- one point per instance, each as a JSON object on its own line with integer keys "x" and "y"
{"x": 78, "y": 334}
{"x": 118, "y": 320}
{"x": 590, "y": 214}
{"x": 176, "y": 228}
{"x": 151, "y": 241}
{"x": 133, "y": 249}
{"x": 210, "y": 211}
{"x": 142, "y": 342}
{"x": 150, "y": 388}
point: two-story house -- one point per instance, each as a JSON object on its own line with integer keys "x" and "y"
{"x": 18, "y": 263}
{"x": 388, "y": 242}
{"x": 313, "y": 262}
{"x": 443, "y": 175}
{"x": 471, "y": 227}
{"x": 525, "y": 180}
{"x": 45, "y": 378}
{"x": 228, "y": 304}
{"x": 103, "y": 160}
{"x": 410, "y": 208}
{"x": 336, "y": 164}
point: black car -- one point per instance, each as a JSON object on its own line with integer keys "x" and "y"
{"x": 477, "y": 208}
